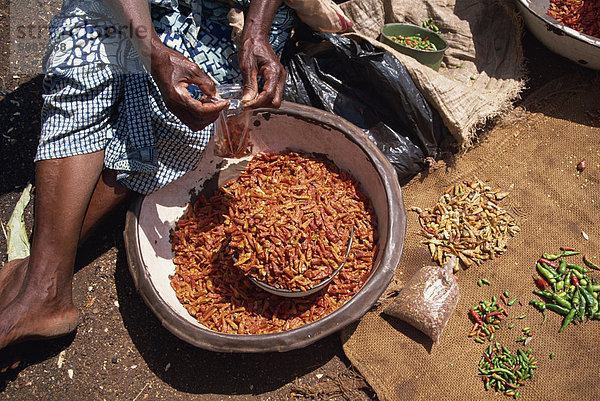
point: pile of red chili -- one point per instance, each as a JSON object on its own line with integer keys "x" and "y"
{"x": 290, "y": 219}
{"x": 218, "y": 294}
{"x": 581, "y": 15}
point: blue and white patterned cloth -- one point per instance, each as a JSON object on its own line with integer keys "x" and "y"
{"x": 98, "y": 95}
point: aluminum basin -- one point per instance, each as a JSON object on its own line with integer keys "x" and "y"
{"x": 298, "y": 127}
{"x": 576, "y": 46}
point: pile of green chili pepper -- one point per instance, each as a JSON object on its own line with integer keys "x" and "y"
{"x": 487, "y": 316}
{"x": 504, "y": 371}
{"x": 566, "y": 288}
{"x": 415, "y": 41}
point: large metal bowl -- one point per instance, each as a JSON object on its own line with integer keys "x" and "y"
{"x": 576, "y": 46}
{"x": 298, "y": 127}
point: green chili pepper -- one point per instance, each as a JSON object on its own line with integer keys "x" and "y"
{"x": 592, "y": 303}
{"x": 479, "y": 340}
{"x": 589, "y": 263}
{"x": 523, "y": 316}
{"x": 550, "y": 256}
{"x": 538, "y": 304}
{"x": 504, "y": 371}
{"x": 577, "y": 273}
{"x": 546, "y": 274}
{"x": 582, "y": 305}
{"x": 485, "y": 281}
{"x": 578, "y": 268}
{"x": 567, "y": 280}
{"x": 479, "y": 283}
{"x": 550, "y": 269}
{"x": 567, "y": 320}
{"x": 555, "y": 297}
{"x": 559, "y": 285}
{"x": 510, "y": 326}
{"x": 557, "y": 308}
{"x": 593, "y": 287}
{"x": 570, "y": 253}
{"x": 552, "y": 355}
{"x": 512, "y": 301}
{"x": 562, "y": 267}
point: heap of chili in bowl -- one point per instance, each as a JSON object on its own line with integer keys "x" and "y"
{"x": 423, "y": 44}
{"x": 180, "y": 239}
{"x": 569, "y": 28}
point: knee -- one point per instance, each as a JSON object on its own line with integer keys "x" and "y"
{"x": 109, "y": 179}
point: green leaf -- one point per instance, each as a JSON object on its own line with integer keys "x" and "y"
{"x": 17, "y": 241}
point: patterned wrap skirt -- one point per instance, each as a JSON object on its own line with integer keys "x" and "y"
{"x": 98, "y": 95}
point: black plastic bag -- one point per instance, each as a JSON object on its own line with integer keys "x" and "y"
{"x": 370, "y": 88}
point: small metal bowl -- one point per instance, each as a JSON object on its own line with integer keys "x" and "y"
{"x": 284, "y": 292}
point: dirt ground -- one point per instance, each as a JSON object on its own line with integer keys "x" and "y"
{"x": 120, "y": 351}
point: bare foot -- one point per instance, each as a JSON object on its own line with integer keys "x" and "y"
{"x": 34, "y": 316}
{"x": 11, "y": 279}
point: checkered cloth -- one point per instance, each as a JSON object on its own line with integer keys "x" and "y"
{"x": 98, "y": 96}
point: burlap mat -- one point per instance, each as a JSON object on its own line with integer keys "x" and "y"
{"x": 537, "y": 152}
{"x": 482, "y": 71}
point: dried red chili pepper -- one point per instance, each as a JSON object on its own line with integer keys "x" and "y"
{"x": 476, "y": 316}
{"x": 549, "y": 263}
{"x": 495, "y": 313}
{"x": 541, "y": 283}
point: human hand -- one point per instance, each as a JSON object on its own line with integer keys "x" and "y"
{"x": 173, "y": 73}
{"x": 257, "y": 59}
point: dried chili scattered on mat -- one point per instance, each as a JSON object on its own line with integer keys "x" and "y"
{"x": 486, "y": 317}
{"x": 218, "y": 294}
{"x": 580, "y": 15}
{"x": 467, "y": 222}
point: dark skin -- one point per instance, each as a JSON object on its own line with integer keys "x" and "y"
{"x": 75, "y": 194}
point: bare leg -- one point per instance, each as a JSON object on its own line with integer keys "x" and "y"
{"x": 108, "y": 195}
{"x": 43, "y": 306}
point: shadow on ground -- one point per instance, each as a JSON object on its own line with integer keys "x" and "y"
{"x": 193, "y": 370}
{"x": 20, "y": 127}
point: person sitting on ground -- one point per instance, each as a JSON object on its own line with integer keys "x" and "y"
{"x": 126, "y": 115}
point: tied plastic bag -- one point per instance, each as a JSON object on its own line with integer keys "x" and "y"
{"x": 232, "y": 130}
{"x": 428, "y": 299}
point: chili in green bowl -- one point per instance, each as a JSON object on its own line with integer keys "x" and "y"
{"x": 422, "y": 44}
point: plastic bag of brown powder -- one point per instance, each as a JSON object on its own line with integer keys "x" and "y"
{"x": 428, "y": 299}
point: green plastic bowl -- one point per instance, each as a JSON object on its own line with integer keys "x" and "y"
{"x": 430, "y": 58}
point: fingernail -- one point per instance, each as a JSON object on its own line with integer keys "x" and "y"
{"x": 15, "y": 365}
